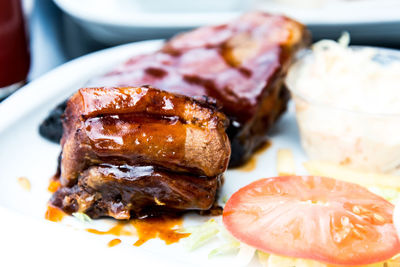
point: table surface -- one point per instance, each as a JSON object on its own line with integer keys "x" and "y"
{"x": 55, "y": 39}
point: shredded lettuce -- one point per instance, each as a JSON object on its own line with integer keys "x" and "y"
{"x": 344, "y": 40}
{"x": 263, "y": 258}
{"x": 227, "y": 248}
{"x": 224, "y": 199}
{"x": 283, "y": 261}
{"x": 82, "y": 217}
{"x": 202, "y": 234}
{"x": 390, "y": 194}
{"x": 212, "y": 230}
{"x": 245, "y": 255}
{"x": 230, "y": 244}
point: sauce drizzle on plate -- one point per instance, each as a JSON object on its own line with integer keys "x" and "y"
{"x": 117, "y": 230}
{"x": 164, "y": 228}
{"x": 114, "y": 242}
{"x": 54, "y": 214}
{"x": 53, "y": 186}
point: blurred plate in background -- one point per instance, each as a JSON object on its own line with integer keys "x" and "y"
{"x": 27, "y": 6}
{"x": 372, "y": 22}
{"x": 119, "y": 21}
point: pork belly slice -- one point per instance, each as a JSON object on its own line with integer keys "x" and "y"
{"x": 242, "y": 64}
{"x": 142, "y": 126}
{"x": 124, "y": 149}
{"x": 124, "y": 191}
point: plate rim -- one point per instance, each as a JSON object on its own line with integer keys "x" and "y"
{"x": 34, "y": 90}
{"x": 20, "y": 104}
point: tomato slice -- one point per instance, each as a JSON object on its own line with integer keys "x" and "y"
{"x": 317, "y": 218}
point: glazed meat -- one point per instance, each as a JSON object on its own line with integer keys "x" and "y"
{"x": 133, "y": 150}
{"x": 241, "y": 64}
{"x": 124, "y": 191}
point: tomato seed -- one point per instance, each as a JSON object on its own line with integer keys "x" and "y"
{"x": 379, "y": 218}
{"x": 356, "y": 210}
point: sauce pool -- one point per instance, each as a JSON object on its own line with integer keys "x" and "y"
{"x": 53, "y": 186}
{"x": 117, "y": 230}
{"x": 165, "y": 228}
{"x": 24, "y": 183}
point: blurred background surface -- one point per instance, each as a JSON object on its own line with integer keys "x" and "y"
{"x": 62, "y": 30}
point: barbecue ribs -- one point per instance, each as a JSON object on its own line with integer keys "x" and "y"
{"x": 241, "y": 64}
{"x": 139, "y": 151}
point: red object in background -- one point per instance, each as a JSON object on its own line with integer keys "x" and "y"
{"x": 14, "y": 50}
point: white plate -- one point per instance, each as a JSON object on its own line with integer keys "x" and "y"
{"x": 23, "y": 153}
{"x": 119, "y": 21}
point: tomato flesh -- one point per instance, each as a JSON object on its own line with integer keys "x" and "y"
{"x": 313, "y": 218}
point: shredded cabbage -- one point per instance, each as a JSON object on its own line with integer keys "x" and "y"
{"x": 82, "y": 217}
{"x": 245, "y": 255}
{"x": 344, "y": 40}
{"x": 212, "y": 230}
{"x": 200, "y": 235}
{"x": 390, "y": 194}
{"x": 227, "y": 248}
{"x": 263, "y": 258}
{"x": 224, "y": 199}
{"x": 347, "y": 78}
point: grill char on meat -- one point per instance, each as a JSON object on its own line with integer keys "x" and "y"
{"x": 241, "y": 64}
{"x": 138, "y": 150}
